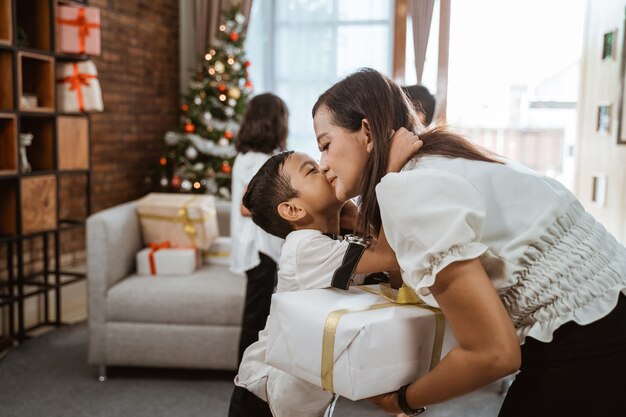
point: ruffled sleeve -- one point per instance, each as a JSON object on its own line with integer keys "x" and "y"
{"x": 431, "y": 219}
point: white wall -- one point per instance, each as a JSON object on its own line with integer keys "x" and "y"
{"x": 598, "y": 153}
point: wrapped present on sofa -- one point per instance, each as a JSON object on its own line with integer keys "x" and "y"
{"x": 219, "y": 252}
{"x": 357, "y": 343}
{"x": 78, "y": 29}
{"x": 163, "y": 259}
{"x": 182, "y": 219}
{"x": 78, "y": 88}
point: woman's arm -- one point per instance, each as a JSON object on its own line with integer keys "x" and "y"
{"x": 377, "y": 258}
{"x": 488, "y": 345}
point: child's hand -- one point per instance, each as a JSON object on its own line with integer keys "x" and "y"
{"x": 404, "y": 145}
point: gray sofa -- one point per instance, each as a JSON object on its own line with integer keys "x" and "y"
{"x": 178, "y": 321}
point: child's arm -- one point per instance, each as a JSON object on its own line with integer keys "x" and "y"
{"x": 404, "y": 145}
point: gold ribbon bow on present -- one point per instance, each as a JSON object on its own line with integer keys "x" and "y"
{"x": 403, "y": 297}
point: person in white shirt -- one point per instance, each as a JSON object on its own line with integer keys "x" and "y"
{"x": 510, "y": 256}
{"x": 263, "y": 131}
{"x": 291, "y": 199}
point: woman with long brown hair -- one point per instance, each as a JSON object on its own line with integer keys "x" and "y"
{"x": 510, "y": 256}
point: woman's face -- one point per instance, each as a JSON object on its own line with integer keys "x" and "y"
{"x": 344, "y": 154}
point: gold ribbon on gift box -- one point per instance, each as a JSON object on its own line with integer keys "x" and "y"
{"x": 405, "y": 297}
{"x": 181, "y": 217}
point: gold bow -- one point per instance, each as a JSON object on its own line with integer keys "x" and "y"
{"x": 404, "y": 297}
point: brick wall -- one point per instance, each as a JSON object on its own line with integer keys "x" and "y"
{"x": 139, "y": 73}
{"x": 139, "y": 76}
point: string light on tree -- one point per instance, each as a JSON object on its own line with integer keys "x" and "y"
{"x": 200, "y": 152}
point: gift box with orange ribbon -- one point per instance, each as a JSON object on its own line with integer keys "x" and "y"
{"x": 78, "y": 88}
{"x": 164, "y": 259}
{"x": 78, "y": 30}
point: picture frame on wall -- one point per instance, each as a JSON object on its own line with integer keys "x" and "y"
{"x": 598, "y": 189}
{"x": 603, "y": 125}
{"x": 621, "y": 103}
{"x": 608, "y": 45}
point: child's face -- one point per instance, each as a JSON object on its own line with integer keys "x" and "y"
{"x": 313, "y": 188}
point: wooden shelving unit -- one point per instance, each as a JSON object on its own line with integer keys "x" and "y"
{"x": 8, "y": 144}
{"x": 6, "y": 79}
{"x": 6, "y": 22}
{"x": 31, "y": 206}
{"x": 36, "y": 78}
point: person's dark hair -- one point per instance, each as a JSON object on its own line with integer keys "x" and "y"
{"x": 267, "y": 189}
{"x": 422, "y": 100}
{"x": 264, "y": 127}
{"x": 368, "y": 94}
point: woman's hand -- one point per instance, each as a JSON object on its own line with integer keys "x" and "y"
{"x": 388, "y": 402}
{"x": 404, "y": 145}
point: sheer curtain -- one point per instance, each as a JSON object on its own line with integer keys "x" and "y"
{"x": 207, "y": 14}
{"x": 299, "y": 48}
{"x": 421, "y": 12}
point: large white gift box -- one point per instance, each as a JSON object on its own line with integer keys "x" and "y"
{"x": 182, "y": 219}
{"x": 219, "y": 252}
{"x": 165, "y": 260}
{"x": 354, "y": 343}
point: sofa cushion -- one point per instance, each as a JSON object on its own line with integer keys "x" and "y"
{"x": 210, "y": 296}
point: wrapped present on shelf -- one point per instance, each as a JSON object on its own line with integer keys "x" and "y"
{"x": 29, "y": 101}
{"x": 357, "y": 343}
{"x": 182, "y": 219}
{"x": 219, "y": 252}
{"x": 78, "y": 29}
{"x": 78, "y": 88}
{"x": 163, "y": 259}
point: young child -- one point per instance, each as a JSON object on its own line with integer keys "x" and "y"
{"x": 290, "y": 198}
{"x": 263, "y": 131}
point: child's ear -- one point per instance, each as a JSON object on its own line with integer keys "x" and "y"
{"x": 365, "y": 129}
{"x": 291, "y": 211}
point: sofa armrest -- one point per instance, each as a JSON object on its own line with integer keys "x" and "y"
{"x": 113, "y": 239}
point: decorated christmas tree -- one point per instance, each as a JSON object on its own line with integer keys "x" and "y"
{"x": 200, "y": 152}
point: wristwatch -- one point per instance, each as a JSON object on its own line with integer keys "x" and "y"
{"x": 359, "y": 240}
{"x": 404, "y": 405}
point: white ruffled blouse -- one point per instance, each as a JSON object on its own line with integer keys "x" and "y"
{"x": 549, "y": 260}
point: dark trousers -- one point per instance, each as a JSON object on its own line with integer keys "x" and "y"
{"x": 581, "y": 372}
{"x": 259, "y": 289}
{"x": 243, "y": 403}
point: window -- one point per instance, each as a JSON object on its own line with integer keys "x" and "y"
{"x": 299, "y": 48}
{"x": 513, "y": 78}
